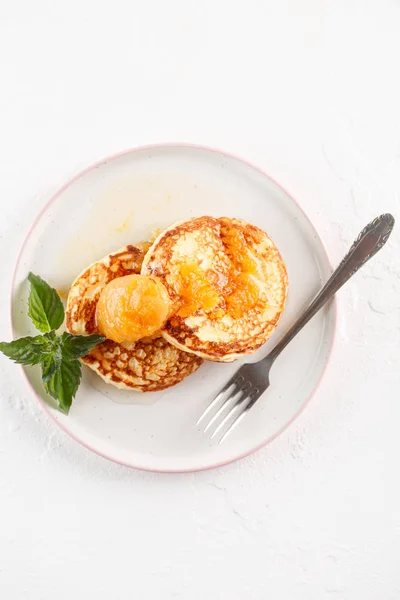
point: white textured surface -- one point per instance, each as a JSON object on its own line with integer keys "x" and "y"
{"x": 309, "y": 91}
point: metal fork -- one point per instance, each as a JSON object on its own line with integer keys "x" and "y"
{"x": 252, "y": 379}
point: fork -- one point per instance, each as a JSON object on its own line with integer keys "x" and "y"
{"x": 252, "y": 379}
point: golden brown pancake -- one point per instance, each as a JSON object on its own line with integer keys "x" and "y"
{"x": 151, "y": 364}
{"x": 227, "y": 281}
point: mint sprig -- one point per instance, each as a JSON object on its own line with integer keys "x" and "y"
{"x": 57, "y": 354}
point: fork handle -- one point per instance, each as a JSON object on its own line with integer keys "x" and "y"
{"x": 371, "y": 239}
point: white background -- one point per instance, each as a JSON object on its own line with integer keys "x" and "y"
{"x": 309, "y": 90}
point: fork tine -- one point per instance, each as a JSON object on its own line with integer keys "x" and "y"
{"x": 253, "y": 399}
{"x": 235, "y": 380}
{"x": 233, "y": 394}
{"x": 243, "y": 397}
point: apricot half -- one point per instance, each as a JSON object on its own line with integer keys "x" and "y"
{"x": 132, "y": 307}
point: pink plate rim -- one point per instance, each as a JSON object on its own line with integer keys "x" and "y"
{"x": 53, "y": 198}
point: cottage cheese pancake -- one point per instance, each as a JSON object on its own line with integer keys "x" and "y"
{"x": 227, "y": 282}
{"x": 147, "y": 364}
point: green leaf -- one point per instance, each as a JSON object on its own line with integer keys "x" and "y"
{"x": 50, "y": 365}
{"x": 62, "y": 386}
{"x": 26, "y": 350}
{"x": 51, "y": 335}
{"x": 45, "y": 307}
{"x": 75, "y": 346}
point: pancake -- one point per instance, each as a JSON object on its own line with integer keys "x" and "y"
{"x": 150, "y": 364}
{"x": 228, "y": 284}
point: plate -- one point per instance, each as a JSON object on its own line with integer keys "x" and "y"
{"x": 126, "y": 199}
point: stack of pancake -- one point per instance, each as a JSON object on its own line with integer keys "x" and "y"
{"x": 227, "y": 285}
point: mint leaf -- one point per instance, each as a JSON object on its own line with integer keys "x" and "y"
{"x": 26, "y": 350}
{"x": 75, "y": 346}
{"x": 45, "y": 307}
{"x": 51, "y": 363}
{"x": 62, "y": 386}
{"x": 51, "y": 335}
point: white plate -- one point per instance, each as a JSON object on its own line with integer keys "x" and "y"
{"x": 125, "y": 199}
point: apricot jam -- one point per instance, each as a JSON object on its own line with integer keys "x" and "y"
{"x": 132, "y": 307}
{"x": 196, "y": 290}
{"x": 242, "y": 293}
